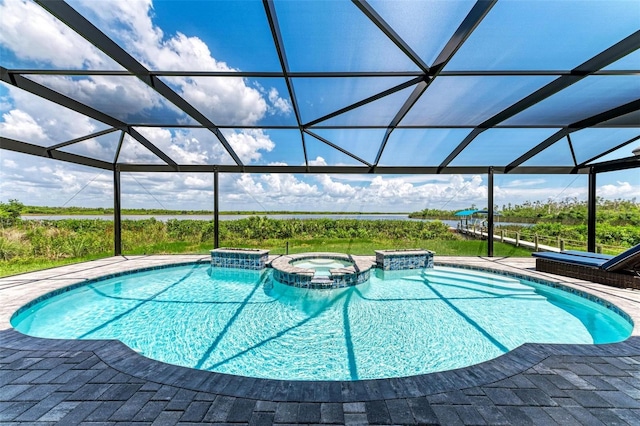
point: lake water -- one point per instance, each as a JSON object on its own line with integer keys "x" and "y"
{"x": 164, "y": 218}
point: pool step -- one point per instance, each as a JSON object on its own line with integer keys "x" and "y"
{"x": 496, "y": 282}
{"x": 474, "y": 273}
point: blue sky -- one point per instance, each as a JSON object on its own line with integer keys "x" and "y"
{"x": 212, "y": 35}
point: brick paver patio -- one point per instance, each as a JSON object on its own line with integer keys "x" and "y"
{"x": 48, "y": 381}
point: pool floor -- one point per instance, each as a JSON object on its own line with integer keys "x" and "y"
{"x": 64, "y": 381}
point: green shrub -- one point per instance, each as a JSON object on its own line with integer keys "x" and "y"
{"x": 10, "y": 249}
{"x": 10, "y": 212}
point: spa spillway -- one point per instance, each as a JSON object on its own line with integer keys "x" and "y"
{"x": 321, "y": 270}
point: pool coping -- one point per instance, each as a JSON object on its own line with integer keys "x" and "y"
{"x": 122, "y": 358}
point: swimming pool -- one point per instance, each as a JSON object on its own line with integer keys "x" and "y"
{"x": 397, "y": 324}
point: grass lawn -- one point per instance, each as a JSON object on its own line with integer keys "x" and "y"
{"x": 350, "y": 246}
{"x": 29, "y": 265}
{"x": 367, "y": 246}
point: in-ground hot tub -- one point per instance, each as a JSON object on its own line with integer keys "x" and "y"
{"x": 321, "y": 270}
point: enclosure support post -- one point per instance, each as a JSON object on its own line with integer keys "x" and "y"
{"x": 490, "y": 213}
{"x": 117, "y": 217}
{"x": 591, "y": 212}
{"x": 216, "y": 229}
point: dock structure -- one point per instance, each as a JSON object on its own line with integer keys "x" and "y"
{"x": 482, "y": 233}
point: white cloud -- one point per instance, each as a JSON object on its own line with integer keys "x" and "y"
{"x": 620, "y": 190}
{"x": 336, "y": 189}
{"x": 272, "y": 192}
{"x": 288, "y": 186}
{"x": 122, "y": 98}
{"x": 319, "y": 161}
{"x": 415, "y": 179}
{"x": 38, "y": 121}
{"x": 30, "y": 32}
{"x": 525, "y": 182}
{"x": 280, "y": 104}
{"x": 9, "y": 164}
{"x": 248, "y": 144}
{"x": 400, "y": 194}
{"x": 247, "y": 185}
{"x": 198, "y": 182}
{"x": 102, "y": 149}
{"x": 183, "y": 146}
{"x": 134, "y": 151}
{"x": 21, "y": 126}
{"x": 224, "y": 100}
{"x": 39, "y": 181}
{"x": 67, "y": 180}
{"x": 389, "y": 188}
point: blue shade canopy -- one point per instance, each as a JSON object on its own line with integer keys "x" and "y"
{"x": 323, "y": 96}
{"x": 323, "y": 86}
{"x": 320, "y": 153}
{"x": 133, "y": 151}
{"x": 589, "y": 143}
{"x": 619, "y": 153}
{"x": 103, "y": 147}
{"x": 629, "y": 62}
{"x": 229, "y": 101}
{"x": 466, "y": 212}
{"x": 586, "y": 98}
{"x": 187, "y": 145}
{"x": 470, "y": 100}
{"x": 32, "y": 37}
{"x": 501, "y": 146}
{"x": 378, "y": 113}
{"x": 548, "y": 35}
{"x": 364, "y": 143}
{"x": 425, "y": 26}
{"x": 421, "y": 147}
{"x": 335, "y": 36}
{"x": 205, "y": 36}
{"x": 267, "y": 147}
{"x": 122, "y": 97}
{"x": 27, "y": 117}
{"x": 558, "y": 154}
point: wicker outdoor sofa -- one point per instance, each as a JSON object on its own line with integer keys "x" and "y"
{"x": 621, "y": 271}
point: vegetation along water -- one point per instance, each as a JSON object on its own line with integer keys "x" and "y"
{"x": 35, "y": 244}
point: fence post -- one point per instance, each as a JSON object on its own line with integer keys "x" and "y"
{"x": 287, "y": 250}
{"x": 535, "y": 242}
{"x": 561, "y": 245}
{"x": 517, "y": 239}
{"x": 598, "y": 249}
{"x": 558, "y": 241}
{"x": 502, "y": 235}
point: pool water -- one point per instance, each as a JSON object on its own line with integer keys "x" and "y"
{"x": 322, "y": 266}
{"x": 397, "y": 324}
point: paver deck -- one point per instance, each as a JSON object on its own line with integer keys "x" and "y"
{"x": 49, "y": 381}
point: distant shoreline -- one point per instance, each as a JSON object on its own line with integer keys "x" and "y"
{"x": 221, "y": 216}
{"x": 61, "y": 211}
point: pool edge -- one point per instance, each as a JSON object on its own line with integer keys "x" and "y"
{"x": 119, "y": 356}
